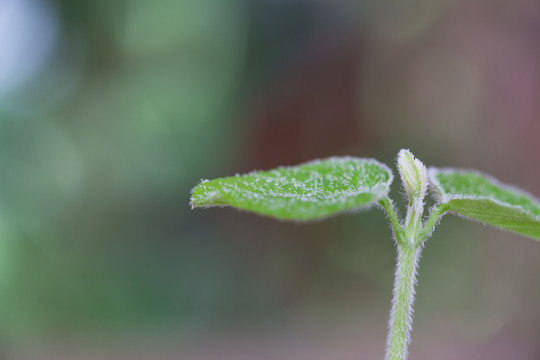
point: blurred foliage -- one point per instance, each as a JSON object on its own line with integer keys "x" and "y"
{"x": 94, "y": 192}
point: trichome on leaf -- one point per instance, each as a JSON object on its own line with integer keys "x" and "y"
{"x": 327, "y": 187}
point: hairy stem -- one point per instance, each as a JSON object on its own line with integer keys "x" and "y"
{"x": 431, "y": 222}
{"x": 387, "y": 205}
{"x": 402, "y": 303}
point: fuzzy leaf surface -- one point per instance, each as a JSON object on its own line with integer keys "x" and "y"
{"x": 482, "y": 198}
{"x": 309, "y": 191}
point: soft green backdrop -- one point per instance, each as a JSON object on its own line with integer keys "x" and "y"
{"x": 110, "y": 112}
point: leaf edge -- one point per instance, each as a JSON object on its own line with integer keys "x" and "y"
{"x": 381, "y": 194}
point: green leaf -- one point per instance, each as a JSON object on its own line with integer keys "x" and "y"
{"x": 482, "y": 198}
{"x": 309, "y": 191}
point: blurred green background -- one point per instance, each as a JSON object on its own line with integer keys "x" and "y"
{"x": 111, "y": 111}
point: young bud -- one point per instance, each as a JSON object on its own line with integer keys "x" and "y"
{"x": 413, "y": 174}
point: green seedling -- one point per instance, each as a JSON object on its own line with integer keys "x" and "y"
{"x": 323, "y": 188}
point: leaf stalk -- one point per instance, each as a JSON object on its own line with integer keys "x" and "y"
{"x": 387, "y": 205}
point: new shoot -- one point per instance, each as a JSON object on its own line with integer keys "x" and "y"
{"x": 323, "y": 188}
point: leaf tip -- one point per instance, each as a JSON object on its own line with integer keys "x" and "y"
{"x": 203, "y": 195}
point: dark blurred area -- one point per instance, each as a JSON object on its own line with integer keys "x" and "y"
{"x": 111, "y": 111}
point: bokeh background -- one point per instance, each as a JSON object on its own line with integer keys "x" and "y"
{"x": 111, "y": 111}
